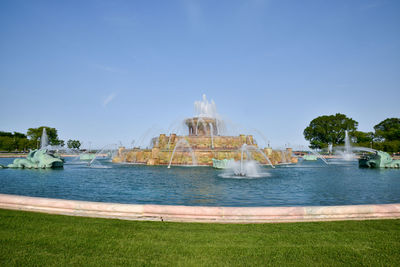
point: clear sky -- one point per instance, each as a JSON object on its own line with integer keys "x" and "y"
{"x": 110, "y": 71}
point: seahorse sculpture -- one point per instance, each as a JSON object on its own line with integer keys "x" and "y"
{"x": 38, "y": 159}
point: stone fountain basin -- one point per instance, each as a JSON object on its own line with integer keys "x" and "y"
{"x": 199, "y": 213}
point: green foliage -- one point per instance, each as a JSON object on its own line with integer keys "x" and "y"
{"x": 19, "y": 142}
{"x": 359, "y": 137}
{"x": 19, "y": 135}
{"x": 36, "y": 133}
{"x": 74, "y": 144}
{"x": 7, "y": 143}
{"x": 14, "y": 142}
{"x": 34, "y": 239}
{"x": 5, "y": 134}
{"x": 386, "y": 136}
{"x": 388, "y": 130}
{"x": 329, "y": 129}
{"x": 388, "y": 146}
{"x": 62, "y": 143}
{"x": 59, "y": 143}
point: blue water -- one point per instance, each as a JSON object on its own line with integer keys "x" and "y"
{"x": 307, "y": 183}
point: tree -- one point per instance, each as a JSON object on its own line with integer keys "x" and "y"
{"x": 36, "y": 133}
{"x": 359, "y": 137}
{"x": 7, "y": 134}
{"x": 62, "y": 143}
{"x": 388, "y": 130}
{"x": 74, "y": 144}
{"x": 324, "y": 130}
{"x": 13, "y": 141}
{"x": 19, "y": 135}
{"x": 22, "y": 144}
{"x": 59, "y": 143}
{"x": 7, "y": 143}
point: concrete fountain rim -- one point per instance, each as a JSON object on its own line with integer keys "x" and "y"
{"x": 174, "y": 213}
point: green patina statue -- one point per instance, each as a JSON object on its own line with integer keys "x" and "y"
{"x": 310, "y": 157}
{"x": 87, "y": 156}
{"x": 379, "y": 159}
{"x": 221, "y": 164}
{"x": 38, "y": 159}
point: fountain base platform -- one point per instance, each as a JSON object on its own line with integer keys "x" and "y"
{"x": 199, "y": 150}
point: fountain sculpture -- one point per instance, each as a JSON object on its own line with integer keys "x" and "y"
{"x": 347, "y": 152}
{"x": 314, "y": 155}
{"x": 39, "y": 158}
{"x": 203, "y": 143}
{"x": 378, "y": 159}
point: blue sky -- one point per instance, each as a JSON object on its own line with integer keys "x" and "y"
{"x": 110, "y": 71}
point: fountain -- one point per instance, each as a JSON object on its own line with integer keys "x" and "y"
{"x": 158, "y": 193}
{"x": 204, "y": 141}
{"x": 314, "y": 156}
{"x": 212, "y": 135}
{"x": 87, "y": 156}
{"x": 330, "y": 148}
{"x": 179, "y": 144}
{"x": 44, "y": 140}
{"x": 348, "y": 151}
{"x": 284, "y": 160}
{"x": 246, "y": 167}
{"x": 38, "y": 159}
{"x": 107, "y": 152}
{"x": 378, "y": 159}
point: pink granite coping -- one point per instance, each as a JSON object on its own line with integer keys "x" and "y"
{"x": 199, "y": 213}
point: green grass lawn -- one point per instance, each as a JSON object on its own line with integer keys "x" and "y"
{"x": 41, "y": 239}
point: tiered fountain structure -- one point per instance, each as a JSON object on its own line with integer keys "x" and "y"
{"x": 203, "y": 143}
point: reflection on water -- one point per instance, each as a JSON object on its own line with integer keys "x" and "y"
{"x": 307, "y": 183}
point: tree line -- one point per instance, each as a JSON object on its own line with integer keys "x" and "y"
{"x": 325, "y": 130}
{"x": 15, "y": 141}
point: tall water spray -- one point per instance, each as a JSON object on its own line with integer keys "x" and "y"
{"x": 107, "y": 152}
{"x": 44, "y": 140}
{"x": 347, "y": 142}
{"x": 283, "y": 155}
{"x": 208, "y": 109}
{"x": 348, "y": 152}
{"x": 205, "y": 109}
{"x": 179, "y": 144}
{"x": 319, "y": 156}
{"x": 330, "y": 148}
{"x": 246, "y": 167}
{"x": 212, "y": 135}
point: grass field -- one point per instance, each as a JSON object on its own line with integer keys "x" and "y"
{"x": 41, "y": 239}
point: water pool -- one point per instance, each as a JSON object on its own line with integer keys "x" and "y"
{"x": 303, "y": 184}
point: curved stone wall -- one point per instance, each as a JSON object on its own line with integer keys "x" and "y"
{"x": 199, "y": 214}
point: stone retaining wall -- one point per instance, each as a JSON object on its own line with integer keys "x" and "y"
{"x": 199, "y": 214}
